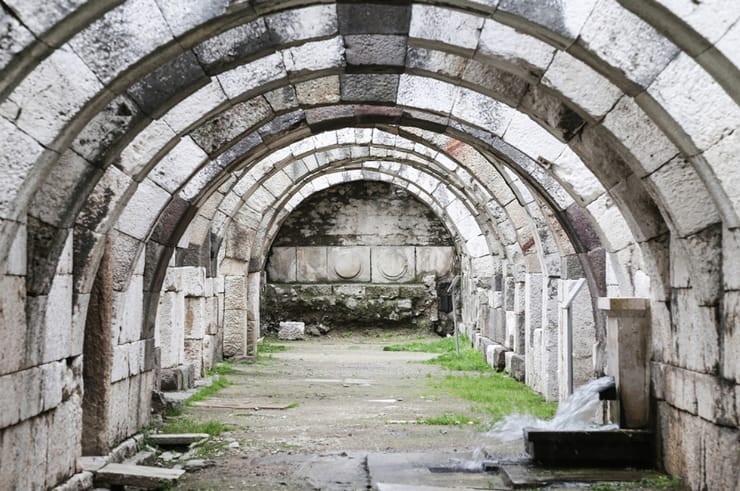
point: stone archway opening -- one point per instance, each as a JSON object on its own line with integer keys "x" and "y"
{"x": 357, "y": 255}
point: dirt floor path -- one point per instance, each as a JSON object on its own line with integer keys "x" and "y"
{"x": 353, "y": 407}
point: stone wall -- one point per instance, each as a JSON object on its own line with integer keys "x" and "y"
{"x": 357, "y": 254}
{"x": 190, "y": 319}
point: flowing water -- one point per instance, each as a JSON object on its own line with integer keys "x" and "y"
{"x": 574, "y": 414}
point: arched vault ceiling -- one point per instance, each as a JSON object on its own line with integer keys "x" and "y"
{"x": 624, "y": 127}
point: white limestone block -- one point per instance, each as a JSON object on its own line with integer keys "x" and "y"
{"x": 194, "y": 107}
{"x": 698, "y": 104}
{"x": 393, "y": 264}
{"x": 425, "y": 93}
{"x": 292, "y": 330}
{"x": 626, "y": 42}
{"x": 128, "y": 312}
{"x": 313, "y": 56}
{"x": 18, "y": 153}
{"x": 673, "y": 184}
{"x": 137, "y": 28}
{"x": 142, "y": 209}
{"x": 575, "y": 176}
{"x": 480, "y": 110}
{"x": 446, "y": 26}
{"x": 252, "y": 75}
{"x": 297, "y": 24}
{"x": 260, "y": 199}
{"x": 176, "y": 167}
{"x": 278, "y": 183}
{"x": 640, "y": 135}
{"x": 501, "y": 42}
{"x": 51, "y": 95}
{"x": 58, "y": 319}
{"x": 568, "y": 76}
{"x": 145, "y": 146}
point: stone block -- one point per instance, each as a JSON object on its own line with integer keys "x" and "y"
{"x": 13, "y": 320}
{"x": 178, "y": 165}
{"x": 157, "y": 89}
{"x": 61, "y": 84}
{"x": 503, "y": 43}
{"x": 367, "y": 50}
{"x": 229, "y": 124}
{"x": 499, "y": 357}
{"x": 235, "y": 332}
{"x": 312, "y": 264}
{"x": 671, "y": 184}
{"x": 393, "y": 264}
{"x": 314, "y": 56}
{"x": 235, "y": 292}
{"x": 514, "y": 366}
{"x": 373, "y": 18}
{"x": 247, "y": 77}
{"x": 425, "y": 93}
{"x": 231, "y": 46}
{"x": 292, "y": 330}
{"x": 136, "y": 28}
{"x": 169, "y": 330}
{"x": 348, "y": 264}
{"x": 568, "y": 75}
{"x": 194, "y": 356}
{"x": 451, "y": 27}
{"x": 304, "y": 23}
{"x": 142, "y": 210}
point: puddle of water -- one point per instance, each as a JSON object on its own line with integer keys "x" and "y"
{"x": 574, "y": 414}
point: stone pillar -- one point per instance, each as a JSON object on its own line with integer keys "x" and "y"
{"x": 628, "y": 351}
{"x": 532, "y": 323}
{"x": 235, "y": 315}
{"x": 254, "y": 281}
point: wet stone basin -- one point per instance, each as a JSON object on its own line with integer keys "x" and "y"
{"x": 609, "y": 448}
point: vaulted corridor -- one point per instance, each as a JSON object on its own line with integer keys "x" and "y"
{"x": 175, "y": 176}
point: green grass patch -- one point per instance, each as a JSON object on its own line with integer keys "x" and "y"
{"x": 653, "y": 483}
{"x": 468, "y": 360}
{"x": 267, "y": 346}
{"x": 449, "y": 420}
{"x": 496, "y": 395}
{"x": 223, "y": 368}
{"x": 186, "y": 425}
{"x": 293, "y": 405}
{"x": 205, "y": 392}
{"x": 444, "y": 345}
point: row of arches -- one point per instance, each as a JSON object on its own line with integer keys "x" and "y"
{"x": 144, "y": 140}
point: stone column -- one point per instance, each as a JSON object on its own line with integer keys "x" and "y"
{"x": 254, "y": 281}
{"x": 627, "y": 356}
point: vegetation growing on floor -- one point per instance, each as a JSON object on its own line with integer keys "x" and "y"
{"x": 268, "y": 347}
{"x": 223, "y": 368}
{"x": 444, "y": 345}
{"x": 449, "y": 420}
{"x": 497, "y": 395}
{"x": 469, "y": 360}
{"x": 663, "y": 482}
{"x": 205, "y": 392}
{"x": 183, "y": 424}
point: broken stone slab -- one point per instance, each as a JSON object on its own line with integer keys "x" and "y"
{"x": 198, "y": 464}
{"x": 515, "y": 366}
{"x": 292, "y": 330}
{"x": 174, "y": 439}
{"x": 142, "y": 457}
{"x": 136, "y": 475}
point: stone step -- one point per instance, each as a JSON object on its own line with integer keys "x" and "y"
{"x": 165, "y": 439}
{"x": 136, "y": 475}
{"x": 143, "y": 457}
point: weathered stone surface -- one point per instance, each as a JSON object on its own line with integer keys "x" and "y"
{"x": 244, "y": 78}
{"x": 567, "y": 75}
{"x": 309, "y": 22}
{"x": 292, "y": 330}
{"x": 168, "y": 83}
{"x": 447, "y": 26}
{"x": 502, "y": 43}
{"x": 373, "y": 18}
{"x": 366, "y": 50}
{"x": 135, "y": 28}
{"x": 318, "y": 55}
{"x": 348, "y": 264}
{"x": 228, "y": 48}
{"x": 231, "y": 123}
